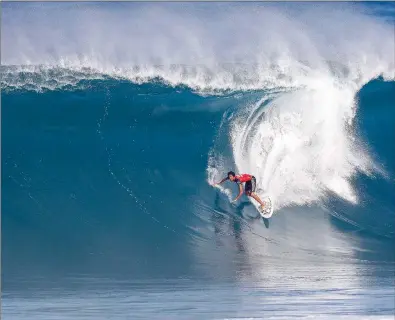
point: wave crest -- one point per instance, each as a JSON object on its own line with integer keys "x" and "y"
{"x": 206, "y": 47}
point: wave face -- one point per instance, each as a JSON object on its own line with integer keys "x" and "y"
{"x": 114, "y": 126}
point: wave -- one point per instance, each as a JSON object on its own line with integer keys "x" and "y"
{"x": 86, "y": 175}
{"x": 300, "y": 139}
{"x": 126, "y": 130}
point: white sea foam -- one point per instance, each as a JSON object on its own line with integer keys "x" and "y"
{"x": 204, "y": 46}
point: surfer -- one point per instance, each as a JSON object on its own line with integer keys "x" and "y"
{"x": 250, "y": 185}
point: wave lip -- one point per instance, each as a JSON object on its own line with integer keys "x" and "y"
{"x": 205, "y": 79}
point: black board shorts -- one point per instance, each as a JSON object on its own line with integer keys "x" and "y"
{"x": 250, "y": 185}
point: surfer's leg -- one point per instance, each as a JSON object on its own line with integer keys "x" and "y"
{"x": 252, "y": 191}
{"x": 255, "y": 196}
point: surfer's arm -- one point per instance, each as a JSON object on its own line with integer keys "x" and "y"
{"x": 240, "y": 192}
{"x": 223, "y": 180}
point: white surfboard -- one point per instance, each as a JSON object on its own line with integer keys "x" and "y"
{"x": 267, "y": 210}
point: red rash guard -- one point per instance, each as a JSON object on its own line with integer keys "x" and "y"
{"x": 244, "y": 177}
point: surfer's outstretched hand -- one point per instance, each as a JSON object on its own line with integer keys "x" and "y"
{"x": 234, "y": 201}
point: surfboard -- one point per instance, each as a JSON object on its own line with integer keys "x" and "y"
{"x": 267, "y": 210}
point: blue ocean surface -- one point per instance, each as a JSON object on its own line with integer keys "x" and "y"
{"x": 117, "y": 118}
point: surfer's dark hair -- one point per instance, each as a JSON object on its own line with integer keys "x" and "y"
{"x": 231, "y": 173}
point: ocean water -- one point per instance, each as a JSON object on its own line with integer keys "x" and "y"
{"x": 116, "y": 119}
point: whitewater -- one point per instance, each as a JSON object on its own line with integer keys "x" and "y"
{"x": 117, "y": 118}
